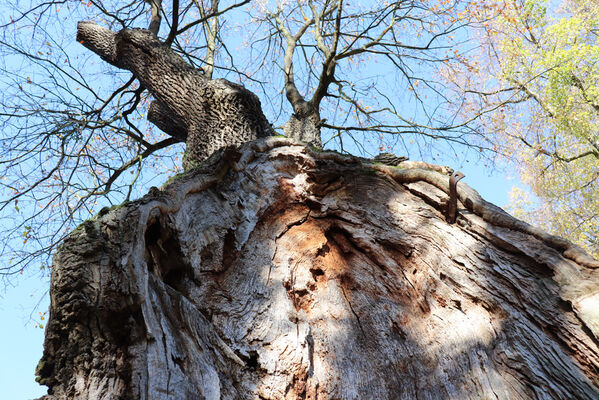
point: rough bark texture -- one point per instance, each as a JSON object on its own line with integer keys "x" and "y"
{"x": 206, "y": 114}
{"x": 276, "y": 272}
{"x": 304, "y": 125}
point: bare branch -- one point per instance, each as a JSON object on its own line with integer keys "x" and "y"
{"x": 156, "y": 7}
{"x": 207, "y": 17}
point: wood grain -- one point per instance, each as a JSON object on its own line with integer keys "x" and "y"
{"x": 288, "y": 274}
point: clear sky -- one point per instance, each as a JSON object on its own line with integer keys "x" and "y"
{"x": 21, "y": 342}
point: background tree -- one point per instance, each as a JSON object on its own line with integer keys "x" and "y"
{"x": 537, "y": 69}
{"x": 75, "y": 134}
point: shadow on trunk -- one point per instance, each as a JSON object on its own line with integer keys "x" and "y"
{"x": 296, "y": 274}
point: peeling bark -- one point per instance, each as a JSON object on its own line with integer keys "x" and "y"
{"x": 276, "y": 272}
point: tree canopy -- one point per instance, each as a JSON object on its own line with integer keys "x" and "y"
{"x": 537, "y": 67}
{"x": 353, "y": 76}
{"x": 75, "y": 137}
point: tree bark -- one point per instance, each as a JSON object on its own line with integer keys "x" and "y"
{"x": 207, "y": 114}
{"x": 304, "y": 125}
{"x": 276, "y": 272}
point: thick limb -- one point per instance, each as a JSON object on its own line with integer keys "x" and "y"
{"x": 162, "y": 117}
{"x": 207, "y": 114}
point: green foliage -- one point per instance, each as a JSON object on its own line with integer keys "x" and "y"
{"x": 543, "y": 92}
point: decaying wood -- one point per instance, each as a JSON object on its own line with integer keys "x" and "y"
{"x": 273, "y": 272}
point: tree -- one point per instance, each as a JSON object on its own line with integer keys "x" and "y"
{"x": 275, "y": 269}
{"x": 75, "y": 135}
{"x": 292, "y": 273}
{"x": 544, "y": 89}
{"x": 206, "y": 114}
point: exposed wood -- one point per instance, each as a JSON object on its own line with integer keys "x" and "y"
{"x": 276, "y": 272}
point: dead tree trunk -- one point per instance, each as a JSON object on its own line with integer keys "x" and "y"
{"x": 274, "y": 272}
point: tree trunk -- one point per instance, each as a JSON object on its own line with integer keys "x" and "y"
{"x": 274, "y": 272}
{"x": 206, "y": 114}
{"x": 304, "y": 125}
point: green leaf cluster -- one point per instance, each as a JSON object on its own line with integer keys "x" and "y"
{"x": 545, "y": 55}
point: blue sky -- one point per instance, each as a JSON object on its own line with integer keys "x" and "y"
{"x": 21, "y": 342}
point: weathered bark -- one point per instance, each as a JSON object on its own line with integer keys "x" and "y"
{"x": 304, "y": 126}
{"x": 276, "y": 272}
{"x": 166, "y": 121}
{"x": 208, "y": 114}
